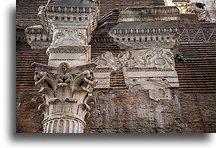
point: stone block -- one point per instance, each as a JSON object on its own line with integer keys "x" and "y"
{"x": 73, "y": 55}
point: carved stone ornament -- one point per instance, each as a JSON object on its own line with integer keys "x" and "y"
{"x": 66, "y": 96}
{"x": 68, "y": 38}
{"x": 158, "y": 59}
{"x": 108, "y": 60}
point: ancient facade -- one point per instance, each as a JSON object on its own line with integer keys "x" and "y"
{"x": 112, "y": 73}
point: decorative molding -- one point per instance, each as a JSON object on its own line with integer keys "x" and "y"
{"x": 70, "y": 49}
{"x": 141, "y": 31}
{"x": 159, "y": 59}
{"x": 68, "y": 38}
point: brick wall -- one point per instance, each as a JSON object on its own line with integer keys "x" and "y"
{"x": 28, "y": 118}
{"x": 198, "y": 112}
{"x": 116, "y": 110}
{"x": 122, "y": 111}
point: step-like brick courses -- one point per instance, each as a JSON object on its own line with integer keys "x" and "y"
{"x": 198, "y": 73}
{"x": 110, "y": 17}
{"x": 117, "y": 80}
{"x": 26, "y": 11}
{"x": 28, "y": 116}
{"x": 197, "y": 79}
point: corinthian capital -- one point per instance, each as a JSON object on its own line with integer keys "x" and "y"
{"x": 67, "y": 94}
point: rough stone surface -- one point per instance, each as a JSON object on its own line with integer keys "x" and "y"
{"x": 121, "y": 111}
{"x": 209, "y": 6}
{"x": 198, "y": 111}
{"x": 204, "y": 9}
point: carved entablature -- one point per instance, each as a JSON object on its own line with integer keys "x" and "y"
{"x": 64, "y": 22}
{"x": 71, "y": 37}
{"x": 69, "y": 49}
{"x": 148, "y": 31}
{"x": 66, "y": 91}
{"x": 147, "y": 27}
{"x": 159, "y": 59}
{"x": 129, "y": 38}
{"x": 37, "y": 38}
{"x": 149, "y": 35}
{"x": 73, "y": 55}
{"x": 80, "y": 14}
